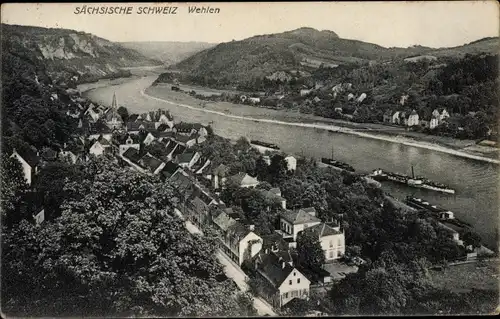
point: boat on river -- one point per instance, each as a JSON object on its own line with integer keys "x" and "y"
{"x": 413, "y": 181}
{"x": 438, "y": 212}
{"x": 337, "y": 164}
{"x": 264, "y": 145}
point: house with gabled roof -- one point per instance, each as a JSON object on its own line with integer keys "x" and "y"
{"x": 332, "y": 240}
{"x": 151, "y": 164}
{"x": 243, "y": 180}
{"x": 101, "y": 146}
{"x": 218, "y": 176}
{"x": 169, "y": 169}
{"x": 132, "y": 157}
{"x": 73, "y": 151}
{"x": 412, "y": 118}
{"x": 282, "y": 281}
{"x": 187, "y": 159}
{"x": 29, "y": 160}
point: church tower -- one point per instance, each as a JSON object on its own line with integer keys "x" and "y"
{"x": 114, "y": 119}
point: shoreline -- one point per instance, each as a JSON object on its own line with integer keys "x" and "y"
{"x": 339, "y": 129}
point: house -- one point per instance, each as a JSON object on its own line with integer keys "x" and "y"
{"x": 316, "y": 99}
{"x": 132, "y": 157}
{"x": 291, "y": 163}
{"x": 72, "y": 151}
{"x": 387, "y": 116}
{"x": 244, "y": 180}
{"x": 403, "y": 99}
{"x": 127, "y": 141}
{"x": 151, "y": 164}
{"x": 169, "y": 169}
{"x": 332, "y": 240}
{"x": 350, "y": 97}
{"x": 274, "y": 194}
{"x": 200, "y": 165}
{"x": 243, "y": 98}
{"x": 453, "y": 230}
{"x": 254, "y": 100}
{"x": 237, "y": 240}
{"x": 434, "y": 122}
{"x": 338, "y": 110}
{"x": 444, "y": 114}
{"x": 29, "y": 160}
{"x": 293, "y": 222}
{"x": 101, "y": 146}
{"x": 411, "y": 119}
{"x": 91, "y": 114}
{"x": 148, "y": 139}
{"x": 190, "y": 129}
{"x": 305, "y": 92}
{"x": 219, "y": 176}
{"x": 39, "y": 217}
{"x": 138, "y": 126}
{"x": 396, "y": 118}
{"x": 283, "y": 281}
{"x": 48, "y": 155}
{"x": 361, "y": 98}
{"x": 188, "y": 159}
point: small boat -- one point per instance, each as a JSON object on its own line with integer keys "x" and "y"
{"x": 440, "y": 213}
{"x": 264, "y": 144}
{"x": 337, "y": 164}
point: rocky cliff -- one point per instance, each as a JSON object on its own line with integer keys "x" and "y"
{"x": 69, "y": 56}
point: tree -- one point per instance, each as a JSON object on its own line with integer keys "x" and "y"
{"x": 13, "y": 187}
{"x": 471, "y": 238}
{"x": 261, "y": 169}
{"x": 119, "y": 247}
{"x": 123, "y": 112}
{"x": 277, "y": 169}
{"x": 310, "y": 255}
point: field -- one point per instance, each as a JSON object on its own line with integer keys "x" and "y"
{"x": 465, "y": 277}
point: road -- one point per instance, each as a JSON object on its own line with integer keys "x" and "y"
{"x": 232, "y": 271}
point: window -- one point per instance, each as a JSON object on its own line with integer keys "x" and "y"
{"x": 331, "y": 254}
{"x": 290, "y": 282}
{"x": 331, "y": 243}
{"x": 294, "y": 273}
{"x": 298, "y": 281}
{"x": 286, "y": 294}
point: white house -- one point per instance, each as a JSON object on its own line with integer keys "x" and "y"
{"x": 254, "y": 100}
{"x": 148, "y": 139}
{"x": 244, "y": 180}
{"x": 350, "y": 97}
{"x": 29, "y": 161}
{"x": 434, "y": 122}
{"x": 332, "y": 240}
{"x": 444, "y": 114}
{"x": 293, "y": 222}
{"x": 291, "y": 163}
{"x": 396, "y": 118}
{"x": 305, "y": 92}
{"x": 412, "y": 119}
{"x": 361, "y": 98}
{"x": 236, "y": 240}
{"x": 285, "y": 282}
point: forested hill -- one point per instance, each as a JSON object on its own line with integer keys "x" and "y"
{"x": 304, "y": 49}
{"x": 70, "y": 56}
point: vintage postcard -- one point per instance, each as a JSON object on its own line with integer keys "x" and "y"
{"x": 249, "y": 159}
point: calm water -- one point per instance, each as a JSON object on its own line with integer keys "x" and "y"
{"x": 475, "y": 182}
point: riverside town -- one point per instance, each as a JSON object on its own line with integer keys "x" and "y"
{"x": 214, "y": 168}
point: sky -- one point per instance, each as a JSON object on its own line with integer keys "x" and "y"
{"x": 402, "y": 24}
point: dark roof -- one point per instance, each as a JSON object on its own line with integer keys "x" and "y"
{"x": 29, "y": 156}
{"x": 186, "y": 127}
{"x": 48, "y": 154}
{"x": 322, "y": 230}
{"x": 270, "y": 266}
{"x": 121, "y": 139}
{"x": 224, "y": 221}
{"x": 184, "y": 139}
{"x": 162, "y": 127}
{"x": 170, "y": 147}
{"x": 170, "y": 168}
{"x": 185, "y": 157}
{"x": 138, "y": 125}
{"x": 273, "y": 239}
{"x": 221, "y": 170}
{"x": 179, "y": 150}
{"x": 150, "y": 162}
{"x": 132, "y": 154}
{"x": 299, "y": 217}
{"x": 199, "y": 164}
{"x": 181, "y": 180}
{"x": 198, "y": 205}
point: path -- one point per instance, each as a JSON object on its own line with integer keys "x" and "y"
{"x": 232, "y": 271}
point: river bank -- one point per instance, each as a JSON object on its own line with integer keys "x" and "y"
{"x": 373, "y": 131}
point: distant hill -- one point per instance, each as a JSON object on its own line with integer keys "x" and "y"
{"x": 168, "y": 52}
{"x": 304, "y": 49}
{"x": 71, "y": 56}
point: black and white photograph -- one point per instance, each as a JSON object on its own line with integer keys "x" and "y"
{"x": 249, "y": 159}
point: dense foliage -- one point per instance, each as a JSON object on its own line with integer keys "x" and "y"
{"x": 115, "y": 249}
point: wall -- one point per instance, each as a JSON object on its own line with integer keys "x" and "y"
{"x": 243, "y": 246}
{"x": 286, "y": 288}
{"x": 338, "y": 247}
{"x": 26, "y": 167}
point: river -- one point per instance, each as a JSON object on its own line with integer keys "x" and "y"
{"x": 475, "y": 182}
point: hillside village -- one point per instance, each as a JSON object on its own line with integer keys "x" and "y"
{"x": 154, "y": 144}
